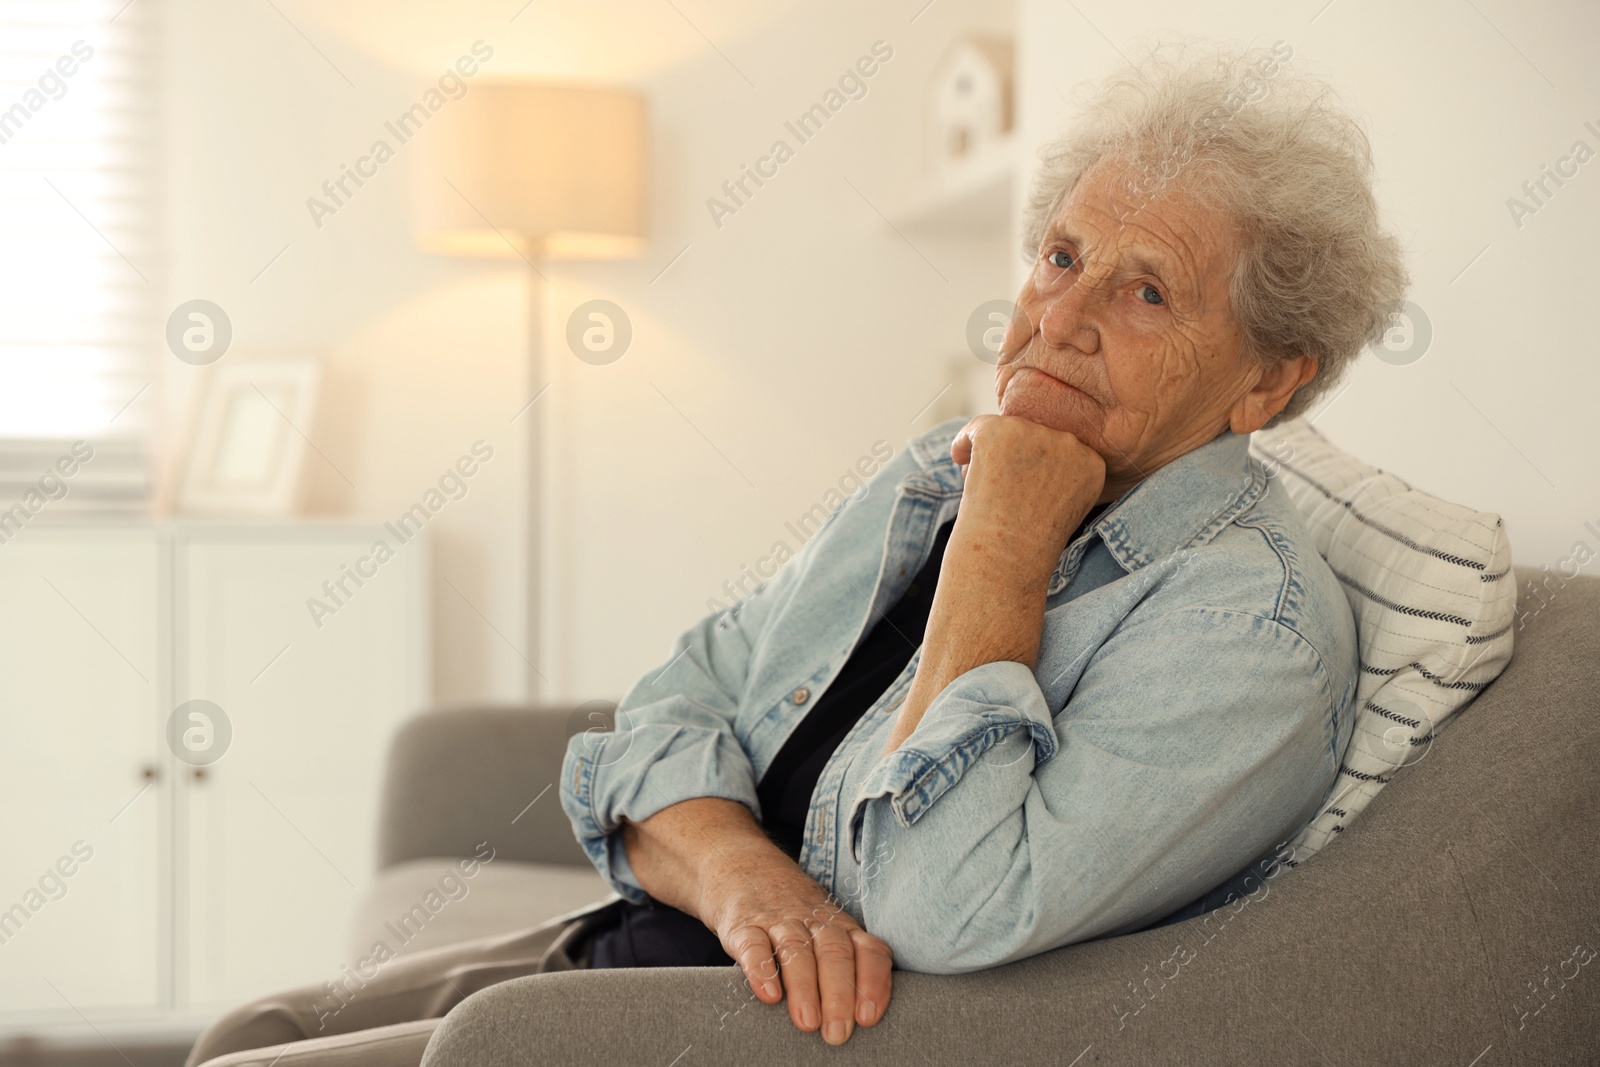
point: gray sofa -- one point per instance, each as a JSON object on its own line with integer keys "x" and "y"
{"x": 1455, "y": 922}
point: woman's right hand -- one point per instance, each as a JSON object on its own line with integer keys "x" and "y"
{"x": 791, "y": 938}
{"x": 709, "y": 857}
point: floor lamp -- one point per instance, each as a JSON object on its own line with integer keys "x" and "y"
{"x": 542, "y": 173}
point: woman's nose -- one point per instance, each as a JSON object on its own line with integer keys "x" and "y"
{"x": 1065, "y": 318}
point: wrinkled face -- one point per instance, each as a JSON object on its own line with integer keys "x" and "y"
{"x": 1124, "y": 334}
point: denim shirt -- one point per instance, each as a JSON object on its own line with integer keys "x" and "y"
{"x": 1189, "y": 707}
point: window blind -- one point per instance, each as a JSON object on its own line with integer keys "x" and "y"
{"x": 79, "y": 236}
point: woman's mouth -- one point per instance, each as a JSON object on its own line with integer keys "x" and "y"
{"x": 1035, "y": 373}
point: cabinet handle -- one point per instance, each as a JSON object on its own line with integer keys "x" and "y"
{"x": 149, "y": 772}
{"x": 199, "y": 774}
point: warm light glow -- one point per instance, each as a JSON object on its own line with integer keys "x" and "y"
{"x": 489, "y": 244}
{"x": 551, "y": 42}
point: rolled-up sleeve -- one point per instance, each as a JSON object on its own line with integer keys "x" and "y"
{"x": 1193, "y": 742}
{"x": 669, "y": 751}
{"x": 975, "y": 712}
{"x": 674, "y": 735}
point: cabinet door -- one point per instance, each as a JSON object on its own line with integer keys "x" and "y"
{"x": 82, "y": 856}
{"x": 277, "y": 837}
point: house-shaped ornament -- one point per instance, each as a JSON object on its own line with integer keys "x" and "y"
{"x": 970, "y": 98}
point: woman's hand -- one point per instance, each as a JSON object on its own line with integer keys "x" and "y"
{"x": 710, "y": 858}
{"x": 1028, "y": 486}
{"x": 777, "y": 923}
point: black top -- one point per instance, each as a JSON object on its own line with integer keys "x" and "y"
{"x": 656, "y": 935}
{"x": 785, "y": 790}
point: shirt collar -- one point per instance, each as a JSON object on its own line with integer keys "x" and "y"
{"x": 1178, "y": 506}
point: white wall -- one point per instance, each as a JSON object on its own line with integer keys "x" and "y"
{"x": 792, "y": 337}
{"x": 423, "y": 355}
{"x": 1499, "y": 413}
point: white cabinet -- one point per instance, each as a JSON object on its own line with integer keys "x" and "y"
{"x": 82, "y": 643}
{"x": 207, "y": 884}
{"x": 276, "y": 839}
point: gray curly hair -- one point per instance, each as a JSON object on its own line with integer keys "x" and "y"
{"x": 1316, "y": 274}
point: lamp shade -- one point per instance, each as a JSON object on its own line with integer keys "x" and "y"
{"x": 547, "y": 172}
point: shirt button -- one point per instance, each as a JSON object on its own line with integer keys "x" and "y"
{"x": 801, "y": 695}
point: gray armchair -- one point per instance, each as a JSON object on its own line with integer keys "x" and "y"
{"x": 1456, "y": 922}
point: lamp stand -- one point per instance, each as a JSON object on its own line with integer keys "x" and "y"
{"x": 538, "y": 685}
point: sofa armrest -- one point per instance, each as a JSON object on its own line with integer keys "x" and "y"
{"x": 1420, "y": 936}
{"x": 457, "y": 777}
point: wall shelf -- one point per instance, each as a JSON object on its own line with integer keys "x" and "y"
{"x": 972, "y": 198}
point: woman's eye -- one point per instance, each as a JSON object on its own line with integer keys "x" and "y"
{"x": 1151, "y": 295}
{"x": 1060, "y": 260}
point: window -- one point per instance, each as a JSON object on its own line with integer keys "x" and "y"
{"x": 78, "y": 238}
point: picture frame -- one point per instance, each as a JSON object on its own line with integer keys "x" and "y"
{"x": 248, "y": 442}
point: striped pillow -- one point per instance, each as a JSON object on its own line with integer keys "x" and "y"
{"x": 1431, "y": 588}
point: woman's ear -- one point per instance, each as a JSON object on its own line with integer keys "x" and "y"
{"x": 1271, "y": 393}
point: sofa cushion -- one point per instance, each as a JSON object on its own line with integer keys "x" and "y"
{"x": 425, "y": 903}
{"x": 1431, "y": 588}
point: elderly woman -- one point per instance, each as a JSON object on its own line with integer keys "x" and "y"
{"x": 1060, "y": 673}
